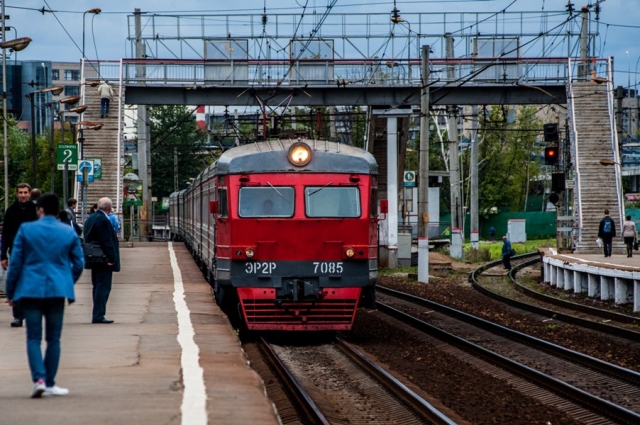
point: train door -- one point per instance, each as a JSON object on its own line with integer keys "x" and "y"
{"x": 211, "y": 229}
{"x": 221, "y": 266}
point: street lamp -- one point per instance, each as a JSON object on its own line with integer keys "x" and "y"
{"x": 94, "y": 11}
{"x": 55, "y": 90}
{"x": 17, "y": 45}
{"x": 397, "y": 19}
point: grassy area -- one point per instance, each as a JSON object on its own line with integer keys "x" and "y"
{"x": 495, "y": 248}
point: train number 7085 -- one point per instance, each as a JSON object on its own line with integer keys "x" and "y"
{"x": 327, "y": 267}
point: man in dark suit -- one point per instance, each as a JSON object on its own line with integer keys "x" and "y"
{"x": 21, "y": 211}
{"x": 98, "y": 228}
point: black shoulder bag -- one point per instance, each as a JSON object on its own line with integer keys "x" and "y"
{"x": 93, "y": 253}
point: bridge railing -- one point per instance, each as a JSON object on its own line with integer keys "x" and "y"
{"x": 401, "y": 72}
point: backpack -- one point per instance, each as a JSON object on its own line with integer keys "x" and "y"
{"x": 607, "y": 226}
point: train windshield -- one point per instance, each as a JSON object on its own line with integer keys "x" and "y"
{"x": 274, "y": 201}
{"x": 332, "y": 201}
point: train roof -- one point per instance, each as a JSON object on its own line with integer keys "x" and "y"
{"x": 271, "y": 156}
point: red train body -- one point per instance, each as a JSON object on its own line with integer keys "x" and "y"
{"x": 286, "y": 231}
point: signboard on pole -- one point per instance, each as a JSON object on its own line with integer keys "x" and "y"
{"x": 409, "y": 179}
{"x": 97, "y": 167}
{"x": 88, "y": 165}
{"x": 67, "y": 154}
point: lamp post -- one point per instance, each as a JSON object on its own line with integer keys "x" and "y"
{"x": 55, "y": 90}
{"x": 17, "y": 45}
{"x": 635, "y": 85}
{"x": 628, "y": 96}
{"x": 94, "y": 11}
{"x": 397, "y": 19}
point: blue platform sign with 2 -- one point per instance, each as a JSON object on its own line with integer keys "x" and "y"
{"x": 82, "y": 165}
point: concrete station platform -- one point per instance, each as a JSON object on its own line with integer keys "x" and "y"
{"x": 167, "y": 359}
{"x": 608, "y": 278}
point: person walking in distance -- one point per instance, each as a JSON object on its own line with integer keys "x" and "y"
{"x": 630, "y": 235}
{"x": 106, "y": 95}
{"x": 71, "y": 213}
{"x": 607, "y": 232}
{"x": 35, "y": 194}
{"x": 98, "y": 228}
{"x": 46, "y": 261}
{"x": 506, "y": 253}
{"x": 21, "y": 211}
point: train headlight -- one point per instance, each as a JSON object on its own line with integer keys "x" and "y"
{"x": 249, "y": 252}
{"x": 299, "y": 154}
{"x": 349, "y": 252}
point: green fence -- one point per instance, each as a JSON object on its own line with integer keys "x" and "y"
{"x": 538, "y": 225}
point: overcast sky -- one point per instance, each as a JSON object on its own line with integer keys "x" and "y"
{"x": 59, "y": 36}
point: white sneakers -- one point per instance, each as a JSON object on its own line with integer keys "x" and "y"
{"x": 55, "y": 390}
{"x": 38, "y": 389}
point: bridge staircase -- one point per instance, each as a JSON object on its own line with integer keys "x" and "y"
{"x": 597, "y": 186}
{"x": 103, "y": 144}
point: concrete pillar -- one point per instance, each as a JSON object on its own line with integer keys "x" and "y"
{"x": 392, "y": 189}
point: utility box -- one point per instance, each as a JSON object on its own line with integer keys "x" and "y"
{"x": 516, "y": 230}
{"x": 404, "y": 249}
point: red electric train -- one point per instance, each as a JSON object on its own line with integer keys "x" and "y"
{"x": 286, "y": 232}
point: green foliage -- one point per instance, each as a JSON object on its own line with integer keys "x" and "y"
{"x": 20, "y": 160}
{"x": 505, "y": 158}
{"x": 495, "y": 248}
{"x": 479, "y": 255}
{"x": 173, "y": 131}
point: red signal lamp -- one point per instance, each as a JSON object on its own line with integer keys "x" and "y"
{"x": 551, "y": 154}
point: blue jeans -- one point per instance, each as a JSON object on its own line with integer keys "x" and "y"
{"x": 104, "y": 105}
{"x": 52, "y": 309}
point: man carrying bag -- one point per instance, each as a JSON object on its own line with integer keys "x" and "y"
{"x": 98, "y": 229}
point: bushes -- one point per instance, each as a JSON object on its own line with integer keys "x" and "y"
{"x": 479, "y": 255}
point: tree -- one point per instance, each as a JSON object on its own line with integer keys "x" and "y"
{"x": 175, "y": 135}
{"x": 506, "y": 158}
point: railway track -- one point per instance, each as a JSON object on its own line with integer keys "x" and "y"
{"x": 586, "y": 388}
{"x": 596, "y": 319}
{"x": 333, "y": 383}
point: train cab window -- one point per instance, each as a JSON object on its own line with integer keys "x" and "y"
{"x": 223, "y": 210}
{"x": 332, "y": 201}
{"x": 266, "y": 202}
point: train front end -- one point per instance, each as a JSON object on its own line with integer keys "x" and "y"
{"x": 299, "y": 246}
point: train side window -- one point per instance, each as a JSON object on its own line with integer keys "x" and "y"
{"x": 277, "y": 202}
{"x": 332, "y": 202}
{"x": 223, "y": 205}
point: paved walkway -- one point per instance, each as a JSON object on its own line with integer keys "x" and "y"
{"x": 139, "y": 370}
{"x": 616, "y": 261}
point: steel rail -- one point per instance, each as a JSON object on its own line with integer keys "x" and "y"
{"x": 609, "y": 369}
{"x": 299, "y": 396}
{"x": 417, "y": 403}
{"x": 586, "y": 400}
{"x": 586, "y": 323}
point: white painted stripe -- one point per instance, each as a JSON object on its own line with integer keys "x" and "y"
{"x": 194, "y": 398}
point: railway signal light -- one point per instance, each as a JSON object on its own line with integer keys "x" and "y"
{"x": 550, "y": 132}
{"x": 551, "y": 154}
